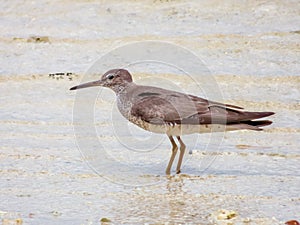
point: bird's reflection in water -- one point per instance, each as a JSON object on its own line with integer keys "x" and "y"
{"x": 179, "y": 200}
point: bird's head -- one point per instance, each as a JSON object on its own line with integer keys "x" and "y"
{"x": 115, "y": 79}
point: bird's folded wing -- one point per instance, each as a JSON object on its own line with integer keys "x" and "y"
{"x": 183, "y": 110}
{"x": 157, "y": 110}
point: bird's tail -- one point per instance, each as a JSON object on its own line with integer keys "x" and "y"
{"x": 258, "y": 123}
{"x": 249, "y": 122}
{"x": 249, "y": 125}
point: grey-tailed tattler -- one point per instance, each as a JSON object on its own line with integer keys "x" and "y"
{"x": 173, "y": 113}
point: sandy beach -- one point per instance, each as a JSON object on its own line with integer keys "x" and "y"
{"x": 251, "y": 53}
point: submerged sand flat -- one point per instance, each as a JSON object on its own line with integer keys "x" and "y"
{"x": 245, "y": 177}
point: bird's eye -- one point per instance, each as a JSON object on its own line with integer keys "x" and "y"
{"x": 110, "y": 77}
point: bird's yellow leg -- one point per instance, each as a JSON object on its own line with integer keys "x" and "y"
{"x": 182, "y": 150}
{"x": 174, "y": 151}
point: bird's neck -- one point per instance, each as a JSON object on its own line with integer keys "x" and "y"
{"x": 122, "y": 89}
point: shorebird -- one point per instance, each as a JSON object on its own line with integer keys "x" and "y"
{"x": 173, "y": 113}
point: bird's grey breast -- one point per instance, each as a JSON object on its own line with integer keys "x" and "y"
{"x": 124, "y": 105}
{"x": 127, "y": 98}
{"x": 133, "y": 96}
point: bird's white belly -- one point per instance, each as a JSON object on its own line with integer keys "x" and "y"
{"x": 180, "y": 129}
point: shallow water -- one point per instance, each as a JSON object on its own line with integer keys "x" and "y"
{"x": 252, "y": 57}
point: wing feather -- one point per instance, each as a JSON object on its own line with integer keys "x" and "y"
{"x": 160, "y": 106}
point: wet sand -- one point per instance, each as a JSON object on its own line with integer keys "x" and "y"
{"x": 251, "y": 51}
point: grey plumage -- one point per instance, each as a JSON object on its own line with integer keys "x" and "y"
{"x": 174, "y": 113}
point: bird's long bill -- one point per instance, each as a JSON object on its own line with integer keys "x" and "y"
{"x": 89, "y": 84}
